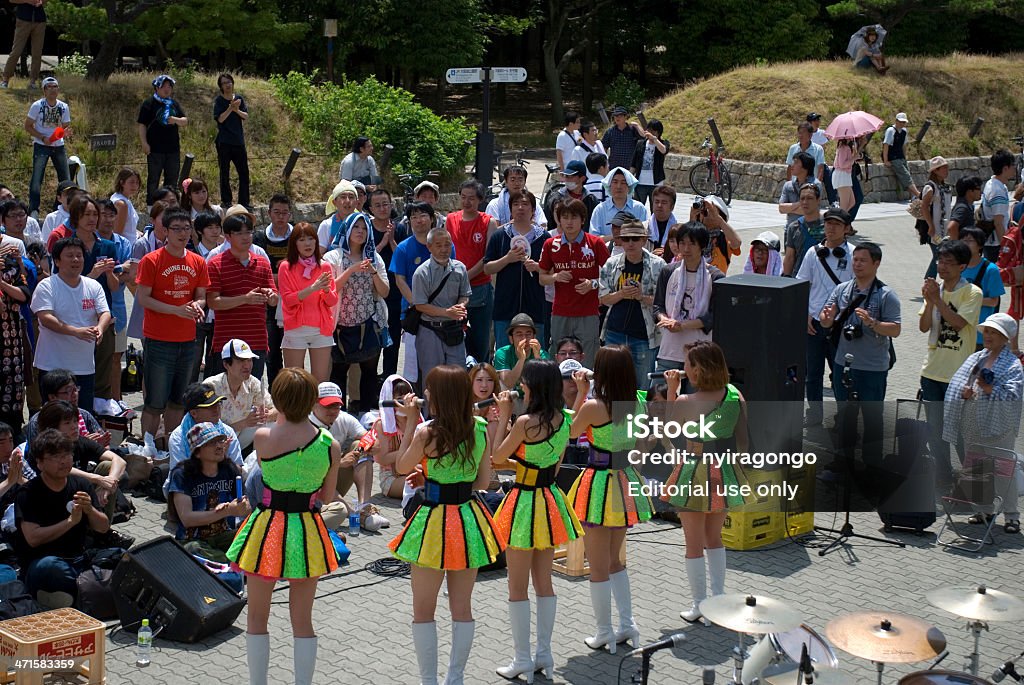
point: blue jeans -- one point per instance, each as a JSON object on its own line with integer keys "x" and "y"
{"x": 870, "y": 388}
{"x": 53, "y": 574}
{"x": 663, "y": 365}
{"x": 639, "y": 349}
{"x": 501, "y": 333}
{"x": 480, "y": 309}
{"x": 819, "y": 351}
{"x": 41, "y": 154}
{"x": 934, "y": 395}
{"x": 166, "y": 371}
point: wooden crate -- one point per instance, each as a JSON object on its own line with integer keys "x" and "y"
{"x": 45, "y": 640}
{"x": 571, "y": 559}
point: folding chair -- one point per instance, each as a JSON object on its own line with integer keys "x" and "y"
{"x": 978, "y": 488}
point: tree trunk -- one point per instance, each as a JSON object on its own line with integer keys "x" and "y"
{"x": 105, "y": 61}
{"x": 641, "y": 60}
{"x": 588, "y": 66}
{"x": 554, "y": 79}
{"x": 439, "y": 94}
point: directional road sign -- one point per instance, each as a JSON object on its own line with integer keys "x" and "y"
{"x": 508, "y": 74}
{"x": 470, "y": 75}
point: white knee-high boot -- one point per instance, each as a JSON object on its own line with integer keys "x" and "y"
{"x": 628, "y": 631}
{"x": 304, "y": 654}
{"x": 522, "y": 664}
{"x": 543, "y": 660}
{"x": 424, "y": 637}
{"x": 697, "y": 574}
{"x": 257, "y": 654}
{"x": 601, "y": 599}
{"x": 716, "y": 570}
{"x": 462, "y": 643}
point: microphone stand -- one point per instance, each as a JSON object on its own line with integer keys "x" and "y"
{"x": 848, "y": 418}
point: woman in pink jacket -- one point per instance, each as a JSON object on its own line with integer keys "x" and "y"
{"x": 309, "y": 297}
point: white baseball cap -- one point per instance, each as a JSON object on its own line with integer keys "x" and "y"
{"x": 237, "y": 348}
{"x": 902, "y": 116}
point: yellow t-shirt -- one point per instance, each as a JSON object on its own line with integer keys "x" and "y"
{"x": 950, "y": 348}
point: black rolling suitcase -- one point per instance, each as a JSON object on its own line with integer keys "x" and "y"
{"x": 907, "y": 477}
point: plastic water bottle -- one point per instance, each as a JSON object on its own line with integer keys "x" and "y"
{"x": 353, "y": 519}
{"x": 144, "y": 645}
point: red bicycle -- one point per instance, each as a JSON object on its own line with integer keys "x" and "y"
{"x": 712, "y": 177}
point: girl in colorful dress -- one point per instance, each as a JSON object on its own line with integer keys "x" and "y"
{"x": 534, "y": 517}
{"x": 284, "y": 538}
{"x": 451, "y": 534}
{"x": 601, "y": 495}
{"x": 696, "y": 483}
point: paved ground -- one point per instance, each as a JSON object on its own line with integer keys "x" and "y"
{"x": 363, "y": 619}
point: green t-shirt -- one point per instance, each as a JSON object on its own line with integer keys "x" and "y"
{"x": 505, "y": 358}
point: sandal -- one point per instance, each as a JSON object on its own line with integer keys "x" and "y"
{"x": 980, "y": 519}
{"x": 1012, "y": 527}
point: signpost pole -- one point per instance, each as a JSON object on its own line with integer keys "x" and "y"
{"x": 485, "y": 139}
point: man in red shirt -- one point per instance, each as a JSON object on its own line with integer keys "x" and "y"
{"x": 572, "y": 262}
{"x": 172, "y": 292}
{"x": 241, "y": 288}
{"x": 470, "y": 230}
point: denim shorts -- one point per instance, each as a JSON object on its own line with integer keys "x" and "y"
{"x": 167, "y": 367}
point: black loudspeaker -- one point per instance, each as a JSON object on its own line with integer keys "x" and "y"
{"x": 160, "y": 581}
{"x": 761, "y": 325}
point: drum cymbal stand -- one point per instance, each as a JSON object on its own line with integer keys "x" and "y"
{"x": 739, "y": 655}
{"x": 879, "y": 666}
{"x": 973, "y": 662}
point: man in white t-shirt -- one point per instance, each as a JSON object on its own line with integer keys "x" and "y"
{"x": 565, "y": 143}
{"x": 995, "y": 202}
{"x": 73, "y": 315}
{"x": 48, "y": 122}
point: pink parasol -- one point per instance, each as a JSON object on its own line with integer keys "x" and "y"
{"x": 853, "y": 125}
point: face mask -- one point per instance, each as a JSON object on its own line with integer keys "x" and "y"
{"x": 572, "y": 187}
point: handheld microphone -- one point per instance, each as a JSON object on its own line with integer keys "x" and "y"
{"x": 656, "y": 376}
{"x": 676, "y": 640}
{"x": 483, "y": 404}
{"x": 389, "y": 404}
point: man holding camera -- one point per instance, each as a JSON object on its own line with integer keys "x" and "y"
{"x": 862, "y": 316}
{"x": 825, "y": 265}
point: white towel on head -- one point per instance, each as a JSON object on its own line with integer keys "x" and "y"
{"x": 387, "y": 414}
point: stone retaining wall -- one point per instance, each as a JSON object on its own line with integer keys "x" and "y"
{"x": 315, "y": 212}
{"x": 762, "y": 182}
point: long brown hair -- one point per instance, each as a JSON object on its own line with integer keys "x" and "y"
{"x": 303, "y": 228}
{"x": 712, "y": 369}
{"x": 453, "y": 429}
{"x": 614, "y": 376}
{"x": 197, "y": 184}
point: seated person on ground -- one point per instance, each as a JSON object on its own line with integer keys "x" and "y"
{"x": 53, "y": 513}
{"x": 247, "y": 404}
{"x": 108, "y": 467}
{"x": 202, "y": 405}
{"x": 203, "y": 488}
{"x": 385, "y": 437}
{"x": 60, "y": 384}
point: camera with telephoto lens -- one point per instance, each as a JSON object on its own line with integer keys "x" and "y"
{"x": 853, "y": 331}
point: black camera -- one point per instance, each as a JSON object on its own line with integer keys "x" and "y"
{"x": 988, "y": 376}
{"x": 853, "y": 331}
{"x": 11, "y": 262}
{"x": 698, "y": 202}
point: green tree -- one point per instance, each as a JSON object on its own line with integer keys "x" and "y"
{"x": 111, "y": 22}
{"x": 565, "y": 20}
{"x": 208, "y": 26}
{"x": 889, "y": 13}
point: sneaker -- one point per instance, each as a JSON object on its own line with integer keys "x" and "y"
{"x": 371, "y": 519}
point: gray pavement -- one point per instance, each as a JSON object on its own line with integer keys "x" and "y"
{"x": 363, "y": 619}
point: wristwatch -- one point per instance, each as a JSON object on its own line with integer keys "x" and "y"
{"x": 593, "y": 284}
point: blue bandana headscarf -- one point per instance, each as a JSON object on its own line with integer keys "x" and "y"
{"x": 346, "y": 230}
{"x": 168, "y": 103}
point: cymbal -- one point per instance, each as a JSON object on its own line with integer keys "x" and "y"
{"x": 822, "y": 676}
{"x": 750, "y": 614}
{"x": 977, "y": 602}
{"x": 886, "y": 637}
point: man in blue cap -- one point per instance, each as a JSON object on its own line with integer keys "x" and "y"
{"x": 159, "y": 119}
{"x": 573, "y": 179}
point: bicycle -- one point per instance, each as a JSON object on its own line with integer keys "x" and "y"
{"x": 410, "y": 181}
{"x": 712, "y": 177}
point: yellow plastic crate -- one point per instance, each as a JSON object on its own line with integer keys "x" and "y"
{"x": 748, "y": 530}
{"x": 798, "y": 524}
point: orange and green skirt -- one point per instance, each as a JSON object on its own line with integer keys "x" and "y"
{"x": 696, "y": 485}
{"x": 283, "y": 546}
{"x": 601, "y": 497}
{"x": 449, "y": 537}
{"x": 536, "y": 519}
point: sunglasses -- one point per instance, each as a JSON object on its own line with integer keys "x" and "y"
{"x": 632, "y": 239}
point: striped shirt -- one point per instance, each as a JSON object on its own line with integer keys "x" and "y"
{"x": 229, "y": 278}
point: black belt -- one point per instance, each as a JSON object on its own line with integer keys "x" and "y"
{"x": 288, "y": 502}
{"x": 545, "y": 477}
{"x": 437, "y": 325}
{"x": 446, "y": 493}
{"x": 603, "y": 460}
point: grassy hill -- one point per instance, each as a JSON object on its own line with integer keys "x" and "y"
{"x": 757, "y": 108}
{"x": 112, "y": 108}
